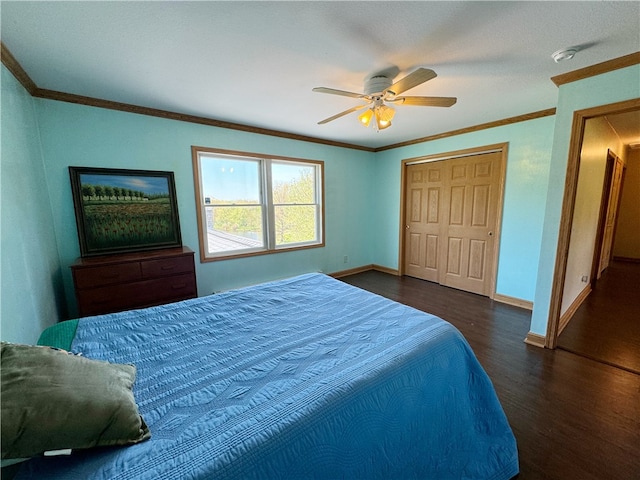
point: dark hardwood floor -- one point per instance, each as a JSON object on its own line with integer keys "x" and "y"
{"x": 573, "y": 417}
{"x": 606, "y": 327}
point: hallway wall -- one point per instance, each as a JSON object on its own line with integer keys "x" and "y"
{"x": 627, "y": 237}
{"x": 599, "y": 137}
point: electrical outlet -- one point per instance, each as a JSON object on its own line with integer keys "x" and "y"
{"x": 585, "y": 279}
{"x": 346, "y": 259}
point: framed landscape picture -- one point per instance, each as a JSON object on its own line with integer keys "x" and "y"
{"x": 121, "y": 211}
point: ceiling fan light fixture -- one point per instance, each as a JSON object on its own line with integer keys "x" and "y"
{"x": 365, "y": 118}
{"x": 380, "y": 113}
{"x": 382, "y": 124}
{"x": 385, "y": 113}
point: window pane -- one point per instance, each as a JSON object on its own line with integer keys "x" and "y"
{"x": 234, "y": 228}
{"x": 295, "y": 224}
{"x": 226, "y": 181}
{"x": 293, "y": 183}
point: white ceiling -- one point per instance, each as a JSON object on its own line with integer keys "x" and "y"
{"x": 255, "y": 63}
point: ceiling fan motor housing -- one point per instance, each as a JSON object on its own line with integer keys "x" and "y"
{"x": 376, "y": 85}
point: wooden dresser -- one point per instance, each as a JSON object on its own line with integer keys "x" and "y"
{"x": 114, "y": 283}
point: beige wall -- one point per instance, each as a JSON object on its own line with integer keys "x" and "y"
{"x": 627, "y": 239}
{"x": 599, "y": 137}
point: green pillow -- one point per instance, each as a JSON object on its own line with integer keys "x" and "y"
{"x": 54, "y": 400}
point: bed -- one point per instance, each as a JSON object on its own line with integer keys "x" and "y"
{"x": 306, "y": 377}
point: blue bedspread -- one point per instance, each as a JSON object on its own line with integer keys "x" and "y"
{"x": 306, "y": 377}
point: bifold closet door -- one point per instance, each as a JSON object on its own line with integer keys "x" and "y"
{"x": 451, "y": 216}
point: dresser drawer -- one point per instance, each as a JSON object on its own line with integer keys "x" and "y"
{"x": 146, "y": 293}
{"x": 169, "y": 289}
{"x": 107, "y": 275}
{"x": 113, "y": 298}
{"x": 167, "y": 266}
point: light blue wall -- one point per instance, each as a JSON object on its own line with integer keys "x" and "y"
{"x": 605, "y": 89}
{"x": 529, "y": 156}
{"x": 86, "y": 136}
{"x": 41, "y": 138}
{"x": 31, "y": 283}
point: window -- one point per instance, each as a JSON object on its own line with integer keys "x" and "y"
{"x": 250, "y": 204}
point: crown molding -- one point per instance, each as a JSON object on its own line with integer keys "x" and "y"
{"x": 475, "y": 128}
{"x": 16, "y": 69}
{"x": 183, "y": 117}
{"x": 597, "y": 69}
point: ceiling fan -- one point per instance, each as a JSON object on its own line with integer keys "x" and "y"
{"x": 380, "y": 90}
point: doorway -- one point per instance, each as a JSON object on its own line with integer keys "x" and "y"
{"x": 569, "y": 205}
{"x": 450, "y": 215}
{"x": 606, "y": 326}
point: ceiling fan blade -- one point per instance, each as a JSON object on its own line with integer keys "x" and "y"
{"x": 333, "y": 91}
{"x": 342, "y": 114}
{"x": 414, "y": 79}
{"x": 425, "y": 101}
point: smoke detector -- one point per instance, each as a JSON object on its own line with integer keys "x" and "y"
{"x": 564, "y": 54}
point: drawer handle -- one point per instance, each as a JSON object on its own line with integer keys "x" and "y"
{"x": 167, "y": 267}
{"x": 178, "y": 286}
